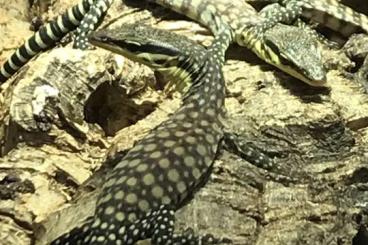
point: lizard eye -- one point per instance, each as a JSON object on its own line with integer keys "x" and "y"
{"x": 160, "y": 61}
{"x": 286, "y": 61}
{"x": 272, "y": 46}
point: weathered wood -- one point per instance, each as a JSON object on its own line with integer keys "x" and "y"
{"x": 318, "y": 137}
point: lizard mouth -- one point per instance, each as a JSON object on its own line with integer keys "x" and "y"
{"x": 315, "y": 80}
{"x": 320, "y": 82}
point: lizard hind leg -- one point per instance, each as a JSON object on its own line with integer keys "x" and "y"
{"x": 76, "y": 236}
{"x": 159, "y": 226}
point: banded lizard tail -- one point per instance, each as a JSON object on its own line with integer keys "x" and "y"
{"x": 48, "y": 35}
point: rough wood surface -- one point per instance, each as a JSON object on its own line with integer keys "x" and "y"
{"x": 68, "y": 110}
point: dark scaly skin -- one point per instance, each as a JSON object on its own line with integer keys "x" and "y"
{"x": 160, "y": 173}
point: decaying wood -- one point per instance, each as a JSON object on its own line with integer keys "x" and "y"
{"x": 68, "y": 110}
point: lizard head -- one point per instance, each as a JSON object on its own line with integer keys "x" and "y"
{"x": 294, "y": 51}
{"x": 172, "y": 55}
{"x": 158, "y": 49}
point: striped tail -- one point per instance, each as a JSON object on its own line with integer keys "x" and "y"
{"x": 335, "y": 15}
{"x": 44, "y": 38}
{"x": 90, "y": 22}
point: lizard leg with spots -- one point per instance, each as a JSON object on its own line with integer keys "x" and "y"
{"x": 234, "y": 144}
{"x": 90, "y": 22}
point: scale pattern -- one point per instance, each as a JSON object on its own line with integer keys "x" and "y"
{"x": 251, "y": 29}
{"x": 160, "y": 173}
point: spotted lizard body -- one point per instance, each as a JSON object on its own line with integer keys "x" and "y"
{"x": 161, "y": 172}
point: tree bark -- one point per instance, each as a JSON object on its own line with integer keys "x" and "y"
{"x": 68, "y": 110}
